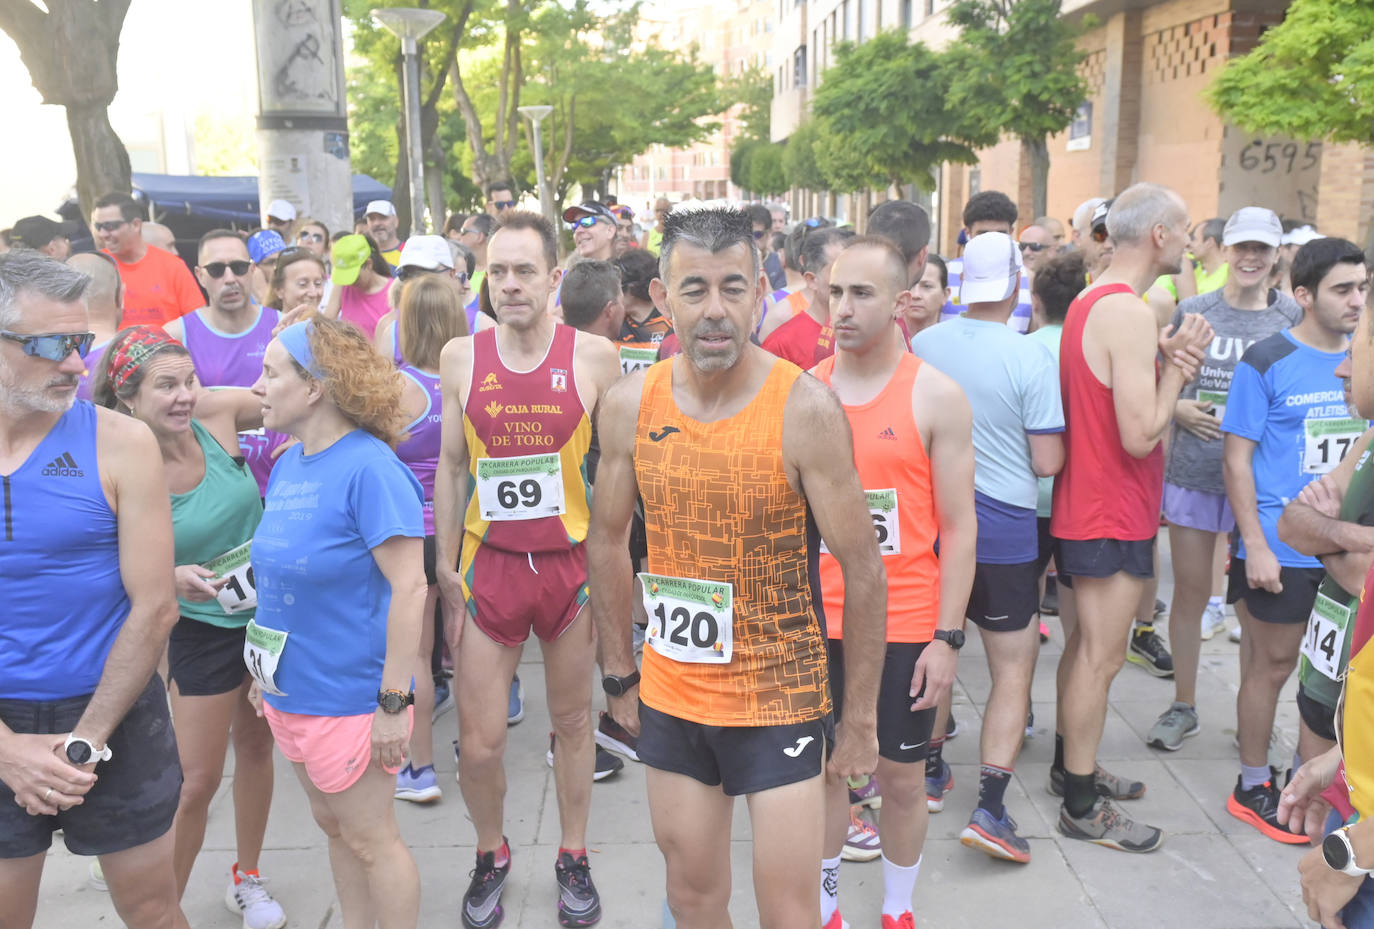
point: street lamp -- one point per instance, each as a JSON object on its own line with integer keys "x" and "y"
{"x": 410, "y": 25}
{"x": 536, "y": 114}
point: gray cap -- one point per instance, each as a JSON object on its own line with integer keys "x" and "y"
{"x": 1253, "y": 224}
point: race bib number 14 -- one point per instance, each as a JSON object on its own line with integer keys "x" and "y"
{"x": 689, "y": 620}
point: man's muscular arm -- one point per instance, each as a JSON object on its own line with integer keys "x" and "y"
{"x": 1311, "y": 523}
{"x": 450, "y": 483}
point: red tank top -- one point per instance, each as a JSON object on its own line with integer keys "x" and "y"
{"x": 527, "y": 435}
{"x": 1103, "y": 492}
{"x": 895, "y": 471}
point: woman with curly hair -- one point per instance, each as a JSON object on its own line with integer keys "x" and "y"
{"x": 338, "y": 560}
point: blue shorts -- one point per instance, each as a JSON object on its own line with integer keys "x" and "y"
{"x": 1197, "y": 509}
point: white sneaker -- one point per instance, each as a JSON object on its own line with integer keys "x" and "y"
{"x": 1234, "y": 634}
{"x": 97, "y": 877}
{"x": 248, "y": 897}
{"x": 1213, "y": 621}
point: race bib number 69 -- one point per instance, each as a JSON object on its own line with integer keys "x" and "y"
{"x": 689, "y": 620}
{"x": 526, "y": 487}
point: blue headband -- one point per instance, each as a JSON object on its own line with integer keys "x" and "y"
{"x": 296, "y": 340}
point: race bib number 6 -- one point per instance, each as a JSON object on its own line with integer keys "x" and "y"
{"x": 882, "y": 509}
{"x": 239, "y": 592}
{"x": 527, "y": 487}
{"x": 1326, "y": 441}
{"x": 689, "y": 620}
{"x": 1324, "y": 642}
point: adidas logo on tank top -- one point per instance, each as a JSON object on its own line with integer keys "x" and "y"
{"x": 64, "y": 465}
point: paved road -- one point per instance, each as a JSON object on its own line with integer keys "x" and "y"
{"x": 1212, "y": 873}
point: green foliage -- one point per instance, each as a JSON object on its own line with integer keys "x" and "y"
{"x": 1311, "y": 77}
{"x": 882, "y": 115}
{"x": 799, "y": 158}
{"x": 766, "y": 175}
{"x": 753, "y": 91}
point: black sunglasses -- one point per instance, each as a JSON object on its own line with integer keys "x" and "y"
{"x": 52, "y": 346}
{"x": 110, "y": 225}
{"x": 216, "y": 268}
{"x": 1033, "y": 246}
{"x": 503, "y": 204}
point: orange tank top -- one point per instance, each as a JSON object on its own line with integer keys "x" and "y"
{"x": 895, "y": 471}
{"x": 731, "y": 563}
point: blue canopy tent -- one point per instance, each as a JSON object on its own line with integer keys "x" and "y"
{"x": 227, "y": 199}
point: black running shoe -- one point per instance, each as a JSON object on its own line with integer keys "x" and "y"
{"x": 1148, "y": 651}
{"x": 482, "y": 902}
{"x": 1259, "y": 806}
{"x": 578, "y": 902}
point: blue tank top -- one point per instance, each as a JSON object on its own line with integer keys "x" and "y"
{"x": 420, "y": 451}
{"x": 59, "y": 567}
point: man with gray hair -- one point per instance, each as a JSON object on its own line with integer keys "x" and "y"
{"x": 1107, "y": 497}
{"x": 86, "y": 743}
{"x": 717, "y": 442}
{"x": 592, "y": 300}
{"x": 104, "y": 306}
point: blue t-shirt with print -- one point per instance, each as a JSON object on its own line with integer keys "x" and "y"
{"x": 1286, "y": 398}
{"x": 315, "y": 574}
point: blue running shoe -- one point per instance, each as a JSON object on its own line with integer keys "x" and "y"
{"x": 417, "y": 786}
{"x": 937, "y": 787}
{"x": 515, "y": 710}
{"x": 996, "y": 837}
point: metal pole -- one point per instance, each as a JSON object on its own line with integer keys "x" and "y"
{"x": 545, "y": 199}
{"x": 418, "y": 226}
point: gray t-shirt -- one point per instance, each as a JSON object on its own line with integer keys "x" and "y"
{"x": 1194, "y": 463}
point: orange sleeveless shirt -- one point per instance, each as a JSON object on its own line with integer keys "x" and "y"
{"x": 895, "y": 472}
{"x": 718, "y": 509}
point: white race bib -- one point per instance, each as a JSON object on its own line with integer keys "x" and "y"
{"x": 882, "y": 509}
{"x": 1218, "y": 400}
{"x": 1326, "y": 442}
{"x": 689, "y": 620}
{"x": 1324, "y": 641}
{"x": 527, "y": 487}
{"x": 239, "y": 592}
{"x": 262, "y": 648}
{"x": 633, "y": 358}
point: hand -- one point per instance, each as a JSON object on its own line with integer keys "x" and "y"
{"x": 1262, "y": 570}
{"x": 1192, "y": 333}
{"x": 196, "y": 583}
{"x": 625, "y": 710}
{"x": 255, "y": 697}
{"x": 36, "y": 768}
{"x": 1326, "y": 892}
{"x": 295, "y": 315}
{"x": 856, "y": 749}
{"x": 451, "y": 601}
{"x": 390, "y": 737}
{"x": 934, "y": 675}
{"x": 277, "y": 452}
{"x": 1192, "y": 415}
{"x": 1322, "y": 495}
{"x": 1300, "y": 803}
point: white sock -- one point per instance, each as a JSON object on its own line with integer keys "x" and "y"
{"x": 899, "y": 887}
{"x": 830, "y": 888}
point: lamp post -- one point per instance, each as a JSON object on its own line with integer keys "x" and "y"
{"x": 409, "y": 25}
{"x": 536, "y": 114}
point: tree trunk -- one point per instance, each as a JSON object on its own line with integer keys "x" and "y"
{"x": 102, "y": 163}
{"x": 1039, "y": 153}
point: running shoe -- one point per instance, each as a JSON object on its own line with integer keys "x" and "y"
{"x": 443, "y": 700}
{"x": 606, "y": 763}
{"x": 1213, "y": 621}
{"x": 1030, "y": 723}
{"x": 951, "y": 727}
{"x": 482, "y": 902}
{"x": 1108, "y": 784}
{"x": 867, "y": 793}
{"x": 1234, "y": 634}
{"x": 96, "y": 877}
{"x": 863, "y": 843}
{"x": 515, "y": 710}
{"x": 417, "y": 786}
{"x": 578, "y": 902}
{"x": 456, "y": 776}
{"x": 937, "y": 787}
{"x": 248, "y": 898}
{"x": 1148, "y": 651}
{"x": 1259, "y": 806}
{"x": 612, "y": 736}
{"x": 905, "y": 921}
{"x": 1177, "y": 723}
{"x": 1044, "y": 633}
{"x": 1161, "y": 608}
{"x": 1105, "y": 825}
{"x": 995, "y": 837}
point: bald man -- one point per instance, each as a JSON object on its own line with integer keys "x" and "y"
{"x": 160, "y": 236}
{"x": 104, "y": 309}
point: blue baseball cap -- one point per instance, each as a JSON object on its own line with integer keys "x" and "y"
{"x": 263, "y": 244}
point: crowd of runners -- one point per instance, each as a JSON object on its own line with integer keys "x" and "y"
{"x": 313, "y": 491}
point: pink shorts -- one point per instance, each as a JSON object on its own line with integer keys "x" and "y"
{"x": 334, "y": 749}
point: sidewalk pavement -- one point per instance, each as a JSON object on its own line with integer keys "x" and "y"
{"x": 1213, "y": 872}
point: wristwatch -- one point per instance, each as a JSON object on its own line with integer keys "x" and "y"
{"x": 954, "y": 638}
{"x": 83, "y": 751}
{"x": 1340, "y": 855}
{"x": 393, "y": 701}
{"x": 619, "y": 686}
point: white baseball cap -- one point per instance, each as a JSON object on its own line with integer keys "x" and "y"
{"x": 1301, "y": 236}
{"x": 430, "y": 252}
{"x": 1253, "y": 224}
{"x": 992, "y": 262}
{"x": 282, "y": 209}
{"x": 384, "y": 207}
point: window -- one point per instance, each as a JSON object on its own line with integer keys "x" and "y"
{"x": 906, "y": 14}
{"x": 930, "y": 7}
{"x": 844, "y": 19}
{"x": 859, "y": 20}
{"x": 799, "y": 67}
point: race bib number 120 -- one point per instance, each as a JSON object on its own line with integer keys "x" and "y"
{"x": 689, "y": 620}
{"x": 527, "y": 487}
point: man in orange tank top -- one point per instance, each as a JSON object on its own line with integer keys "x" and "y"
{"x": 720, "y": 444}
{"x": 518, "y": 401}
{"x": 1108, "y": 495}
{"x": 912, "y": 446}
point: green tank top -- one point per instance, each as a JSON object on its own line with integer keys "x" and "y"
{"x": 1357, "y": 506}
{"x": 216, "y": 516}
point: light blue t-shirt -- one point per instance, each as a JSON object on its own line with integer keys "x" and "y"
{"x": 1286, "y": 397}
{"x": 315, "y": 574}
{"x": 1012, "y": 385}
{"x": 1048, "y": 336}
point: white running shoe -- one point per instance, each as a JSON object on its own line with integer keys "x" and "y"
{"x": 247, "y": 896}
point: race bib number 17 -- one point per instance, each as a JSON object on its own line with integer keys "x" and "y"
{"x": 239, "y": 592}
{"x": 1326, "y": 442}
{"x": 689, "y": 620}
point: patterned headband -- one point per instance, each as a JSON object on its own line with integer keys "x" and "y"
{"x": 141, "y": 344}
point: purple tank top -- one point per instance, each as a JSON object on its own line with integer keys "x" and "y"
{"x": 396, "y": 344}
{"x": 420, "y": 452}
{"x": 93, "y": 360}
{"x": 472, "y": 309}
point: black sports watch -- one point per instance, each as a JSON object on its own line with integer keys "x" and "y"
{"x": 954, "y": 638}
{"x": 1340, "y": 856}
{"x": 619, "y": 686}
{"x": 393, "y": 701}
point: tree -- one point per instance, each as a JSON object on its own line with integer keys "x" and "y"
{"x": 1015, "y": 69}
{"x": 72, "y": 51}
{"x": 799, "y": 158}
{"x": 752, "y": 91}
{"x": 1310, "y": 77}
{"x": 882, "y": 116}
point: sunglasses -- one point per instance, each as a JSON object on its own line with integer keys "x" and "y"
{"x": 1099, "y": 234}
{"x": 760, "y": 233}
{"x": 503, "y": 204}
{"x": 588, "y": 222}
{"x": 110, "y": 225}
{"x": 216, "y": 268}
{"x": 53, "y": 347}
{"x": 310, "y": 237}
{"x": 1032, "y": 246}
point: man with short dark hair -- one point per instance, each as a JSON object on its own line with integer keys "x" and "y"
{"x": 592, "y": 300}
{"x": 762, "y": 220}
{"x": 1209, "y": 255}
{"x": 906, "y": 225}
{"x": 43, "y": 235}
{"x": 988, "y": 211}
{"x": 158, "y": 287}
{"x": 500, "y": 199}
{"x": 803, "y": 340}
